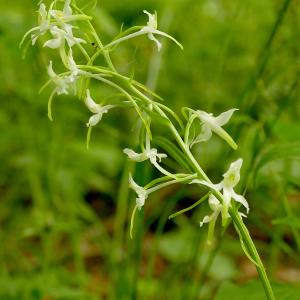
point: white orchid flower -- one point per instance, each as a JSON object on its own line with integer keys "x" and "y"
{"x": 231, "y": 179}
{"x": 62, "y": 83}
{"x": 95, "y": 108}
{"x": 44, "y": 23}
{"x": 150, "y": 154}
{"x": 142, "y": 193}
{"x": 216, "y": 207}
{"x": 56, "y": 19}
{"x": 151, "y": 29}
{"x": 41, "y": 29}
{"x": 62, "y": 16}
{"x": 214, "y": 124}
{"x": 211, "y": 219}
{"x": 62, "y": 35}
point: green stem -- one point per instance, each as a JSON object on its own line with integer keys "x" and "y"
{"x": 189, "y": 208}
{"x": 94, "y": 32}
{"x": 253, "y": 252}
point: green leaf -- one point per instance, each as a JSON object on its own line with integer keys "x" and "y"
{"x": 277, "y": 152}
{"x": 291, "y": 221}
{"x": 174, "y": 152}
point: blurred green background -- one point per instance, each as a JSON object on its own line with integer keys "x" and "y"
{"x": 64, "y": 210}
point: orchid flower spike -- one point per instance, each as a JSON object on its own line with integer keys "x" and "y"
{"x": 230, "y": 180}
{"x": 61, "y": 83}
{"x": 150, "y": 154}
{"x": 151, "y": 29}
{"x": 142, "y": 193}
{"x": 214, "y": 124}
{"x": 95, "y": 108}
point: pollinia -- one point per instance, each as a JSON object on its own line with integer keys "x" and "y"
{"x": 59, "y": 25}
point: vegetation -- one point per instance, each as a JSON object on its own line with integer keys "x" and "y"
{"x": 164, "y": 123}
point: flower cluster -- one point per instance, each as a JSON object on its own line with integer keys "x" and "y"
{"x": 230, "y": 180}
{"x": 59, "y": 24}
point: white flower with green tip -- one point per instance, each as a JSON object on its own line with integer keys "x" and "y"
{"x": 61, "y": 83}
{"x": 95, "y": 108}
{"x": 150, "y": 154}
{"x": 231, "y": 179}
{"x": 151, "y": 28}
{"x": 214, "y": 124}
{"x": 142, "y": 193}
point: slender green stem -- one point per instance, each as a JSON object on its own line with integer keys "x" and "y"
{"x": 94, "y": 32}
{"x": 253, "y": 252}
{"x": 189, "y": 208}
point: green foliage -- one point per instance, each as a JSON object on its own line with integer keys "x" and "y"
{"x": 64, "y": 221}
{"x": 253, "y": 290}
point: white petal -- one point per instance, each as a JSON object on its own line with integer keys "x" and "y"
{"x": 54, "y": 43}
{"x": 138, "y": 157}
{"x": 214, "y": 203}
{"x": 90, "y": 103}
{"x": 232, "y": 176}
{"x": 153, "y": 38}
{"x": 50, "y": 71}
{"x": 204, "y": 135}
{"x": 160, "y": 156}
{"x": 140, "y": 201}
{"x": 241, "y": 199}
{"x": 206, "y": 219}
{"x": 153, "y": 155}
{"x": 67, "y": 8}
{"x": 242, "y": 215}
{"x": 224, "y": 135}
{"x": 43, "y": 11}
{"x": 224, "y": 117}
{"x": 152, "y": 20}
{"x": 94, "y": 120}
{"x": 140, "y": 191}
{"x": 227, "y": 195}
